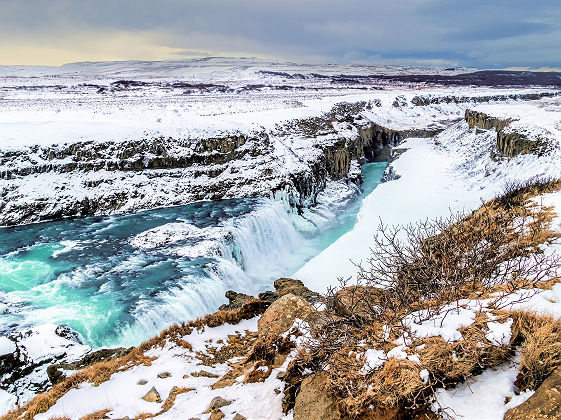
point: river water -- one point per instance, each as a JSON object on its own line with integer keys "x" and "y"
{"x": 119, "y": 280}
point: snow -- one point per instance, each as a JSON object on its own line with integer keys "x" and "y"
{"x": 499, "y": 334}
{"x": 7, "y": 402}
{"x": 483, "y": 396}
{"x": 43, "y": 342}
{"x": 374, "y": 359}
{"x": 123, "y": 396}
{"x": 445, "y": 324}
{"x": 7, "y": 346}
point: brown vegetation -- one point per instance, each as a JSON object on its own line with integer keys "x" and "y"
{"x": 491, "y": 252}
{"x": 102, "y": 371}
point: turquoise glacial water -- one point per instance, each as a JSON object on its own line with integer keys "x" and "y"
{"x": 92, "y": 275}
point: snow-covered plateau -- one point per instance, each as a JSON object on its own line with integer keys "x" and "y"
{"x": 97, "y": 139}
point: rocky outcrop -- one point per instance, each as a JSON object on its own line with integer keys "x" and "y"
{"x": 484, "y": 121}
{"x": 422, "y": 100}
{"x": 509, "y": 143}
{"x": 284, "y": 286}
{"x": 60, "y": 371}
{"x": 544, "y": 404}
{"x": 93, "y": 178}
{"x": 23, "y": 372}
{"x": 282, "y": 314}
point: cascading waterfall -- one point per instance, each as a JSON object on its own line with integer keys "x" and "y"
{"x": 119, "y": 280}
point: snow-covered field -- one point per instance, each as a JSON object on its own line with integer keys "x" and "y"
{"x": 112, "y": 138}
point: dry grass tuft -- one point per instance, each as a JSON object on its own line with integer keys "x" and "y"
{"x": 395, "y": 383}
{"x": 98, "y": 415}
{"x": 540, "y": 347}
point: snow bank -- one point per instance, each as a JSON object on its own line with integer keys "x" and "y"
{"x": 483, "y": 397}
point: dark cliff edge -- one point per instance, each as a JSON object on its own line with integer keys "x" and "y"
{"x": 509, "y": 143}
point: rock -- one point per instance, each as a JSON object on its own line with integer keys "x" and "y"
{"x": 204, "y": 374}
{"x": 164, "y": 375}
{"x": 353, "y": 300}
{"x": 152, "y": 396}
{"x": 236, "y": 300}
{"x": 544, "y": 404}
{"x": 314, "y": 401}
{"x": 58, "y": 372}
{"x": 280, "y": 316}
{"x": 218, "y": 402}
{"x": 389, "y": 174}
{"x": 216, "y": 415}
{"x": 238, "y": 416}
{"x": 142, "y": 382}
{"x": 24, "y": 371}
{"x": 284, "y": 286}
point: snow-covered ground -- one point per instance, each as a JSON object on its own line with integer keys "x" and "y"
{"x": 451, "y": 172}
{"x": 75, "y": 138}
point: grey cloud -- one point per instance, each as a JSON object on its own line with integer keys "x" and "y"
{"x": 467, "y": 33}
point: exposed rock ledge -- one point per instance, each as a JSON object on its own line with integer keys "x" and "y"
{"x": 292, "y": 163}
{"x": 510, "y": 142}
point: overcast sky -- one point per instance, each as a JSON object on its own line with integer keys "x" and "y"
{"x": 484, "y": 34}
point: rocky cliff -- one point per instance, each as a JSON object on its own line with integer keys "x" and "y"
{"x": 510, "y": 141}
{"x": 41, "y": 183}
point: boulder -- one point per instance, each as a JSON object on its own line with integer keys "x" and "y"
{"x": 218, "y": 402}
{"x": 236, "y": 300}
{"x": 152, "y": 396}
{"x": 314, "y": 401}
{"x": 216, "y": 415}
{"x": 284, "y": 286}
{"x": 280, "y": 316}
{"x": 544, "y": 404}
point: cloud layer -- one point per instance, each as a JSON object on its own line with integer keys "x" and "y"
{"x": 485, "y": 34}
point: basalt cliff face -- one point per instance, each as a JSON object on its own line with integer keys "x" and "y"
{"x": 510, "y": 141}
{"x": 92, "y": 178}
{"x": 292, "y": 162}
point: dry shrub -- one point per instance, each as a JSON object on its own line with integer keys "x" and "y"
{"x": 540, "y": 349}
{"x": 102, "y": 371}
{"x": 494, "y": 250}
{"x": 516, "y": 193}
{"x": 98, "y": 415}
